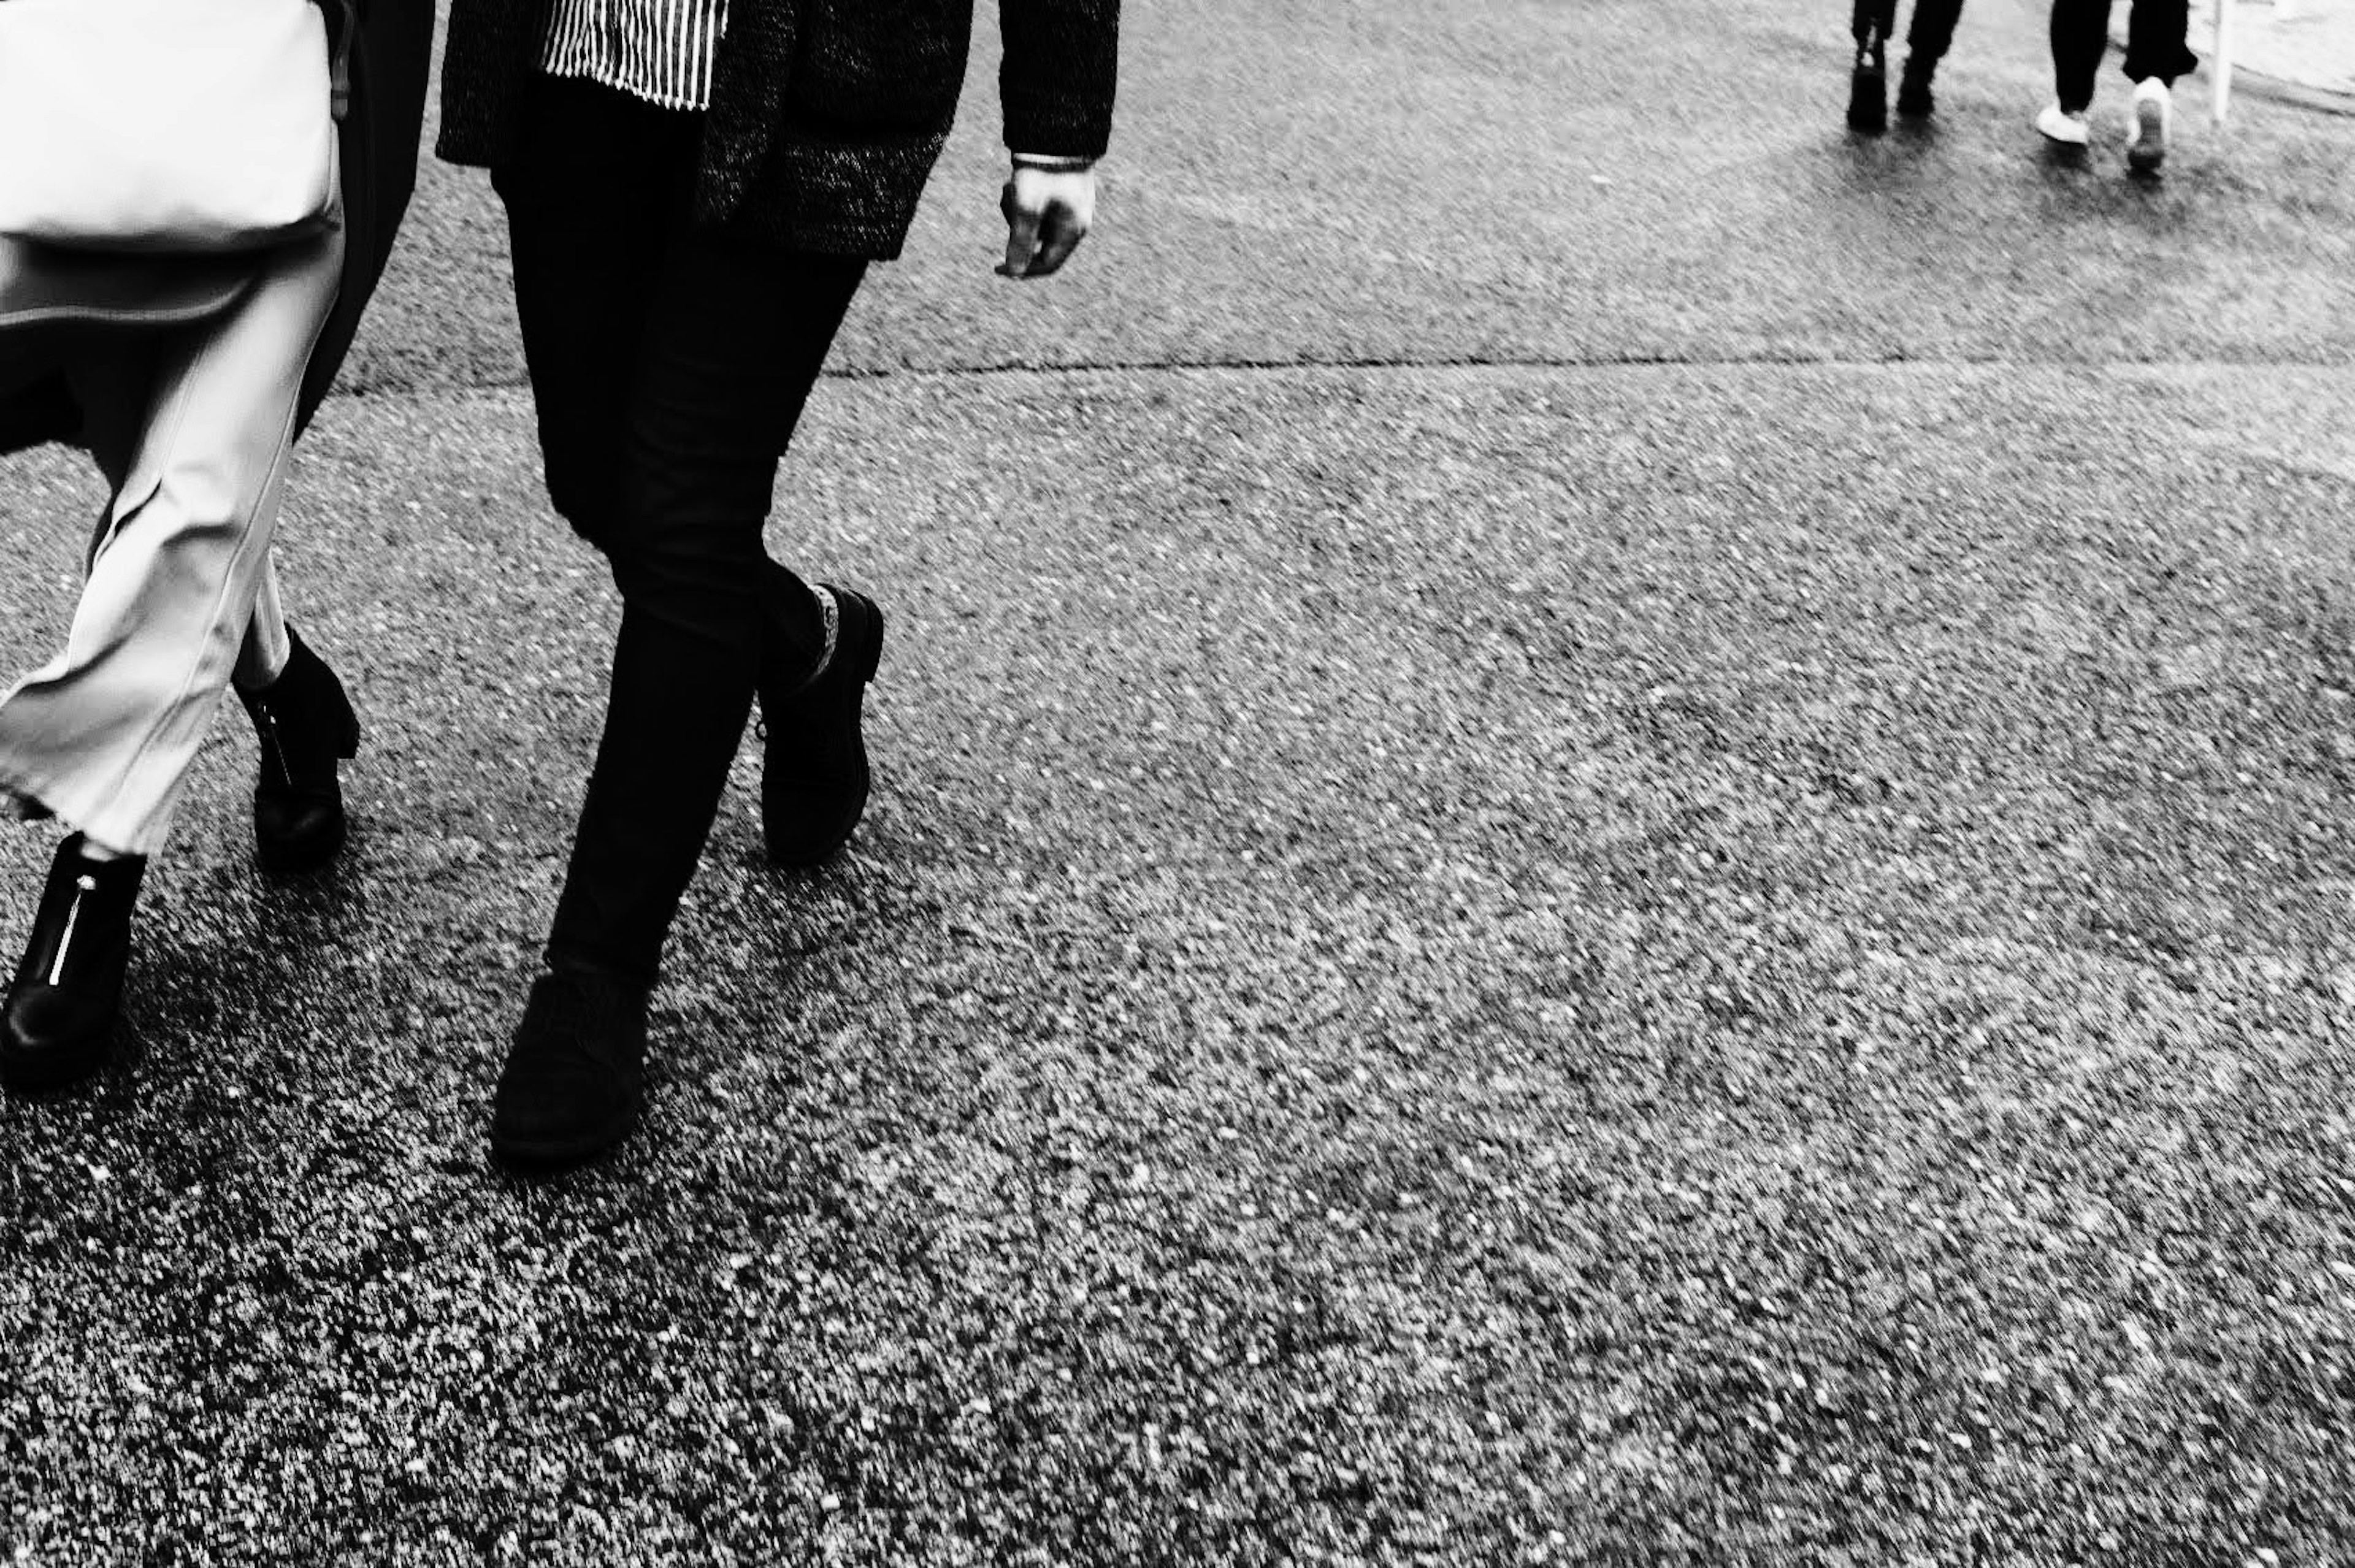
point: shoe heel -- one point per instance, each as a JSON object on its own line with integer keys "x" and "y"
{"x": 347, "y": 728}
{"x": 1867, "y": 96}
{"x": 874, "y": 654}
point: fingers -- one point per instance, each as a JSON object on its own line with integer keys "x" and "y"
{"x": 1059, "y": 234}
{"x": 1047, "y": 213}
{"x": 1021, "y": 231}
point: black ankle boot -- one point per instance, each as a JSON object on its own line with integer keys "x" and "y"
{"x": 1914, "y": 99}
{"x": 813, "y": 776}
{"x": 306, "y": 724}
{"x": 68, "y": 988}
{"x": 1868, "y": 92}
{"x": 570, "y": 1086}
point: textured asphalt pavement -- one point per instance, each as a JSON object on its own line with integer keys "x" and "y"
{"x": 1607, "y": 831}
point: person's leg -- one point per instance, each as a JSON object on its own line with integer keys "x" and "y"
{"x": 597, "y": 180}
{"x": 598, "y": 213}
{"x": 1932, "y": 33}
{"x": 668, "y": 374}
{"x": 734, "y": 344}
{"x": 2080, "y": 33}
{"x": 103, "y": 736}
{"x": 305, "y": 725}
{"x": 2155, "y": 57}
{"x": 262, "y": 658}
{"x": 2156, "y": 50}
{"x": 1926, "y": 42}
{"x": 1871, "y": 23}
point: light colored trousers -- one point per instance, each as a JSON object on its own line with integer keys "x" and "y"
{"x": 191, "y": 430}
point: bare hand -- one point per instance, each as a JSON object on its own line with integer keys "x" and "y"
{"x": 1048, "y": 212}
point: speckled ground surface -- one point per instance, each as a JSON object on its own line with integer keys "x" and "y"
{"x": 1731, "y": 940}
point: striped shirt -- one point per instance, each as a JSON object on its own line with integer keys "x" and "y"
{"x": 660, "y": 51}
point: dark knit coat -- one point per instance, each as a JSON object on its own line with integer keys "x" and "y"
{"x": 826, "y": 115}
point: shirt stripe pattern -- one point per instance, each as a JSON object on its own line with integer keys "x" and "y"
{"x": 660, "y": 51}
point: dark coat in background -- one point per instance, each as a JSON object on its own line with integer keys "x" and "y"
{"x": 47, "y": 297}
{"x": 826, "y": 115}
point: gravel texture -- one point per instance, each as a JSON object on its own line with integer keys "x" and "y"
{"x": 1548, "y": 963}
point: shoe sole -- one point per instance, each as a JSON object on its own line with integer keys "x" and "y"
{"x": 871, "y": 659}
{"x": 2148, "y": 149}
{"x": 547, "y": 1154}
{"x": 282, "y": 858}
{"x": 47, "y": 1072}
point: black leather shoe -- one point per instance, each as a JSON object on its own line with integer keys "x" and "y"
{"x": 68, "y": 993}
{"x": 1868, "y": 94}
{"x": 1914, "y": 99}
{"x": 814, "y": 779}
{"x": 306, "y": 724}
{"x": 571, "y": 1087}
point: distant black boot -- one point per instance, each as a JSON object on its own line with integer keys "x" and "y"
{"x": 1914, "y": 99}
{"x": 68, "y": 992}
{"x": 1868, "y": 92}
{"x": 570, "y": 1086}
{"x": 306, "y": 724}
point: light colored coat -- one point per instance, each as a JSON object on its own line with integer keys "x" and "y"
{"x": 48, "y": 298}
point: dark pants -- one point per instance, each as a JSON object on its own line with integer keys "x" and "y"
{"x": 669, "y": 364}
{"x": 2080, "y": 32}
{"x": 1874, "y": 23}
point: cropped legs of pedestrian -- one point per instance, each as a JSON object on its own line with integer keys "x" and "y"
{"x": 669, "y": 362}
{"x": 1874, "y": 23}
{"x": 694, "y": 190}
{"x": 191, "y": 430}
{"x": 2155, "y": 55}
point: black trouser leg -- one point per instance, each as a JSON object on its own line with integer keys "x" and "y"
{"x": 669, "y": 365}
{"x": 1872, "y": 23}
{"x": 2155, "y": 44}
{"x": 1932, "y": 33}
{"x": 2080, "y": 32}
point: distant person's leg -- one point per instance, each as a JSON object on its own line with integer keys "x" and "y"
{"x": 2155, "y": 46}
{"x": 1926, "y": 42}
{"x": 2080, "y": 32}
{"x": 2156, "y": 55}
{"x": 1871, "y": 22}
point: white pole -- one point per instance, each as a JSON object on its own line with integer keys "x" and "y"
{"x": 2224, "y": 9}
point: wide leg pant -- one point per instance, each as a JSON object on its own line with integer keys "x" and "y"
{"x": 191, "y": 429}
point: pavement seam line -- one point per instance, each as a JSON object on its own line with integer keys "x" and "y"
{"x": 1628, "y": 362}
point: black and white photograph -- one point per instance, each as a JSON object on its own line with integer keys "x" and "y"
{"x": 1205, "y": 783}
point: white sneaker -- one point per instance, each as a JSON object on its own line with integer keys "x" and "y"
{"x": 2059, "y": 125}
{"x": 2146, "y": 131}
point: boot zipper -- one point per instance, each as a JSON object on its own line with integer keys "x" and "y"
{"x": 277, "y": 749}
{"x": 83, "y": 886}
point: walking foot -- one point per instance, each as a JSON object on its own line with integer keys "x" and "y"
{"x": 2066, "y": 128}
{"x": 68, "y": 994}
{"x": 2146, "y": 127}
{"x": 570, "y": 1086}
{"x": 814, "y": 778}
{"x": 306, "y": 723}
{"x": 1914, "y": 99}
{"x": 1868, "y": 94}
